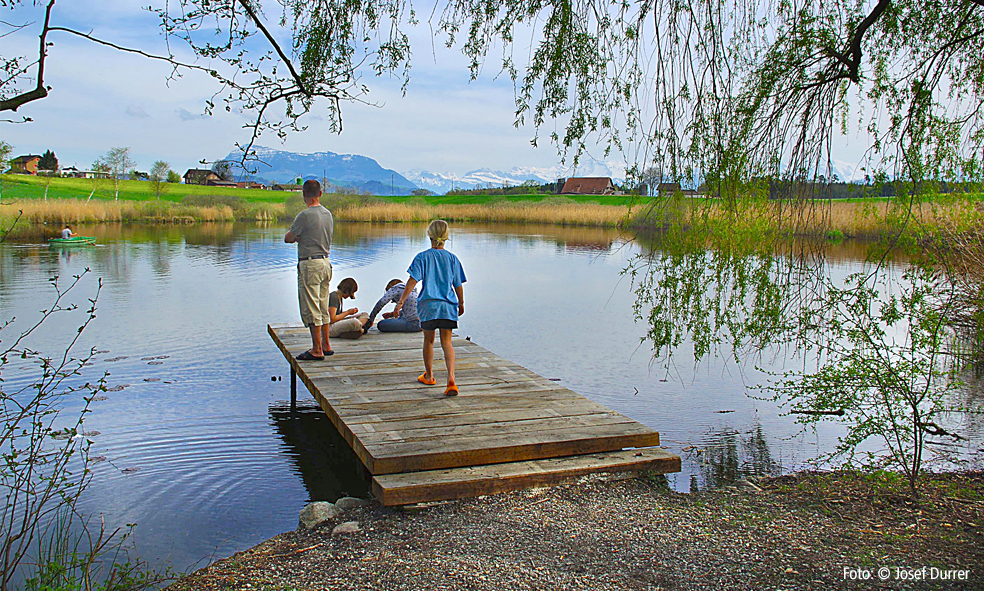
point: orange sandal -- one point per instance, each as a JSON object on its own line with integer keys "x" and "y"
{"x": 451, "y": 390}
{"x": 425, "y": 381}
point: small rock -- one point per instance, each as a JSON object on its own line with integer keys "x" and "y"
{"x": 155, "y": 363}
{"x": 130, "y": 470}
{"x": 314, "y": 514}
{"x": 349, "y": 527}
{"x": 98, "y": 398}
{"x": 346, "y": 503}
{"x": 95, "y": 459}
{"x": 152, "y": 379}
{"x": 118, "y": 388}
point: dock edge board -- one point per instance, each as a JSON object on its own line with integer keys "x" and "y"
{"x": 440, "y": 485}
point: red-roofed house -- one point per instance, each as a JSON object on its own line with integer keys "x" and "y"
{"x": 588, "y": 186}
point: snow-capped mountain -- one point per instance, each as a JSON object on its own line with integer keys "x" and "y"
{"x": 485, "y": 177}
{"x": 343, "y": 170}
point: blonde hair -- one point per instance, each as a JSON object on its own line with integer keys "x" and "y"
{"x": 438, "y": 231}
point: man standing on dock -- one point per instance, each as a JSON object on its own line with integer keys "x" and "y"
{"x": 312, "y": 230}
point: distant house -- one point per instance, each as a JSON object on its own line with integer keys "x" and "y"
{"x": 588, "y": 186}
{"x": 670, "y": 189}
{"x": 74, "y": 173}
{"x": 217, "y": 182}
{"x": 279, "y": 187}
{"x": 198, "y": 176}
{"x": 25, "y": 164}
{"x": 250, "y": 185}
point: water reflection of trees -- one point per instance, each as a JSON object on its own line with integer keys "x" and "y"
{"x": 726, "y": 455}
{"x": 873, "y": 345}
{"x": 327, "y": 465}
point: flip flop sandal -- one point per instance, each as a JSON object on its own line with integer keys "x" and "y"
{"x": 306, "y": 356}
{"x": 451, "y": 390}
{"x": 425, "y": 381}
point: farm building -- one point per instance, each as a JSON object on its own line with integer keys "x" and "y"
{"x": 588, "y": 186}
{"x": 25, "y": 164}
{"x": 198, "y": 176}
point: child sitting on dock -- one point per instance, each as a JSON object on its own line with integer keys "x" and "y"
{"x": 345, "y": 324}
{"x": 406, "y": 321}
{"x": 441, "y": 300}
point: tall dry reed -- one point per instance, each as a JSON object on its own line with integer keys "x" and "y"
{"x": 499, "y": 212}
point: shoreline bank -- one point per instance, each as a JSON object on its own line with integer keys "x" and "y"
{"x": 801, "y": 531}
{"x": 827, "y": 220}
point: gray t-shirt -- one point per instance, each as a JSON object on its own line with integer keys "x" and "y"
{"x": 313, "y": 228}
{"x": 335, "y": 301}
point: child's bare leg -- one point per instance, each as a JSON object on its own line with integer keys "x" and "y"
{"x": 448, "y": 353}
{"x": 428, "y": 354}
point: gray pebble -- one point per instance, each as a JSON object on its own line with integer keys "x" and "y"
{"x": 349, "y": 527}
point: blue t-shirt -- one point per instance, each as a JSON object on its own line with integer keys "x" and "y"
{"x": 440, "y": 272}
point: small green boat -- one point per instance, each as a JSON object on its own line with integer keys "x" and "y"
{"x": 73, "y": 241}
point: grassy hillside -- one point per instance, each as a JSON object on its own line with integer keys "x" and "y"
{"x": 21, "y": 187}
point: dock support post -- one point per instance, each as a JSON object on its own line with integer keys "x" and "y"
{"x": 293, "y": 389}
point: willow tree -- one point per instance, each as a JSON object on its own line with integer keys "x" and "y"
{"x": 711, "y": 90}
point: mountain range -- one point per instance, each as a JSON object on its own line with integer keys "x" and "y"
{"x": 362, "y": 173}
{"x": 349, "y": 171}
{"x": 485, "y": 177}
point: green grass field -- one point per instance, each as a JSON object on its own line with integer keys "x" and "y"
{"x": 17, "y": 187}
{"x": 21, "y": 187}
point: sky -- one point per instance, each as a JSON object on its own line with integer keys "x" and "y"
{"x": 101, "y": 98}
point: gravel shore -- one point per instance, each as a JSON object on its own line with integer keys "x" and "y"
{"x": 804, "y": 531}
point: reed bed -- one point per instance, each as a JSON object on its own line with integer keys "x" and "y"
{"x": 72, "y": 211}
{"x": 544, "y": 212}
{"x": 855, "y": 219}
{"x": 851, "y": 219}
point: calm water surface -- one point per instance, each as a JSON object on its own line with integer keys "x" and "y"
{"x": 201, "y": 450}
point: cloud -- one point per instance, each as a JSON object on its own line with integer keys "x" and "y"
{"x": 137, "y": 111}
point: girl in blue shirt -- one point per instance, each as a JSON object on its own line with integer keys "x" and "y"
{"x": 441, "y": 300}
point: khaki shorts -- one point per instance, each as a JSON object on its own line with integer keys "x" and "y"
{"x": 349, "y": 328}
{"x": 313, "y": 276}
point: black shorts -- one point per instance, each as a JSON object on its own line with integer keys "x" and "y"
{"x": 438, "y": 323}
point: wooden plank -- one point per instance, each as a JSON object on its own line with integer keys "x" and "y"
{"x": 408, "y": 457}
{"x": 471, "y": 481}
{"x": 471, "y": 389}
{"x": 407, "y": 369}
{"x": 424, "y": 415}
{"x": 484, "y": 425}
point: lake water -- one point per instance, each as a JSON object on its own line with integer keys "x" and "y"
{"x": 201, "y": 449}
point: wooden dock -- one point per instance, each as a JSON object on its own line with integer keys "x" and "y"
{"x": 508, "y": 429}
